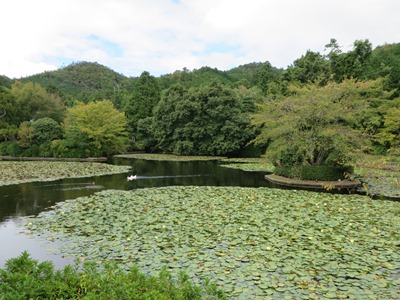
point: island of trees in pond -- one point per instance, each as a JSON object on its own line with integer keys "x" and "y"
{"x": 322, "y": 110}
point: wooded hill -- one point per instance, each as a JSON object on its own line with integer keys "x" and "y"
{"x": 212, "y": 112}
{"x": 88, "y": 81}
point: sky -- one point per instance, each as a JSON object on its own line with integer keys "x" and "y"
{"x": 162, "y": 36}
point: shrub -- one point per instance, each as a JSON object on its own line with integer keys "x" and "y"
{"x": 26, "y": 278}
{"x": 10, "y": 149}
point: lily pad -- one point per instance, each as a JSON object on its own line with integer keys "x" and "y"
{"x": 297, "y": 246}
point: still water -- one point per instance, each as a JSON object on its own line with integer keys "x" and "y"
{"x": 31, "y": 198}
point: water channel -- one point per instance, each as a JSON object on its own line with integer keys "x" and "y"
{"x": 29, "y": 199}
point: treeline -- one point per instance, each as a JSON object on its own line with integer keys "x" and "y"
{"x": 316, "y": 111}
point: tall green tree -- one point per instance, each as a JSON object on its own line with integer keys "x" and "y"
{"x": 206, "y": 121}
{"x": 95, "y": 129}
{"x": 350, "y": 64}
{"x": 309, "y": 68}
{"x": 145, "y": 96}
{"x": 385, "y": 63}
{"x": 8, "y": 116}
{"x": 318, "y": 125}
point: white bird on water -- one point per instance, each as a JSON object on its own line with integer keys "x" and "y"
{"x": 132, "y": 177}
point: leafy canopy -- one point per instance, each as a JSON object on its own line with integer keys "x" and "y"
{"x": 318, "y": 125}
{"x": 208, "y": 120}
{"x": 97, "y": 128}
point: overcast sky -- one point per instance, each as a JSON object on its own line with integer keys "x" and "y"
{"x": 162, "y": 36}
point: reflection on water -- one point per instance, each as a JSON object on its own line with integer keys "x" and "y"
{"x": 14, "y": 242}
{"x": 31, "y": 198}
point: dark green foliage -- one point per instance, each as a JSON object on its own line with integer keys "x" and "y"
{"x": 145, "y": 96}
{"x": 195, "y": 78}
{"x": 45, "y": 130}
{"x": 145, "y": 136}
{"x": 251, "y": 73}
{"x": 26, "y": 278}
{"x": 349, "y": 64}
{"x": 204, "y": 121}
{"x": 5, "y": 81}
{"x": 265, "y": 76}
{"x": 311, "y": 67}
{"x": 385, "y": 62}
{"x": 192, "y": 126}
{"x": 314, "y": 172}
{"x": 10, "y": 149}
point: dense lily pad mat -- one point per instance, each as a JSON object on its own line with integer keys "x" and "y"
{"x": 13, "y": 172}
{"x": 252, "y": 242}
{"x": 380, "y": 174}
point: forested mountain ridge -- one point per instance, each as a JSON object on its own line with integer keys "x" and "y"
{"x": 210, "y": 111}
{"x": 84, "y": 81}
{"x": 87, "y": 81}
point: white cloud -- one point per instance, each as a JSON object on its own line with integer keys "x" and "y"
{"x": 162, "y": 36}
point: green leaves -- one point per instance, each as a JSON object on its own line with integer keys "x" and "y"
{"x": 255, "y": 242}
{"x": 318, "y": 125}
{"x": 202, "y": 121}
{"x": 99, "y": 125}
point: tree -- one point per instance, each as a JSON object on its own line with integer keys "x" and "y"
{"x": 389, "y": 134}
{"x": 318, "y": 125}
{"x": 8, "y": 116}
{"x": 206, "y": 121}
{"x": 46, "y": 130}
{"x": 25, "y": 134}
{"x": 34, "y": 102}
{"x": 266, "y": 76}
{"x": 309, "y": 68}
{"x": 145, "y": 96}
{"x": 350, "y": 64}
{"x": 96, "y": 129}
{"x": 385, "y": 62}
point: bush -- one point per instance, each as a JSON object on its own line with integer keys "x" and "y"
{"x": 45, "y": 130}
{"x": 25, "y": 278}
{"x": 10, "y": 149}
{"x": 323, "y": 172}
{"x": 67, "y": 149}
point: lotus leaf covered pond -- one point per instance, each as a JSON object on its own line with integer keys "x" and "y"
{"x": 254, "y": 242}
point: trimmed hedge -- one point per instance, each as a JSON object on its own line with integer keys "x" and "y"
{"x": 327, "y": 173}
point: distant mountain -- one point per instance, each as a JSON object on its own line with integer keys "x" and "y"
{"x": 5, "y": 81}
{"x": 251, "y": 72}
{"x": 84, "y": 81}
{"x": 245, "y": 73}
{"x": 88, "y": 81}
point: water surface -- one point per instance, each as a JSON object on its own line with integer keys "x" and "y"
{"x": 28, "y": 199}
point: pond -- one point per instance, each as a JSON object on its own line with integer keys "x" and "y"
{"x": 32, "y": 198}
